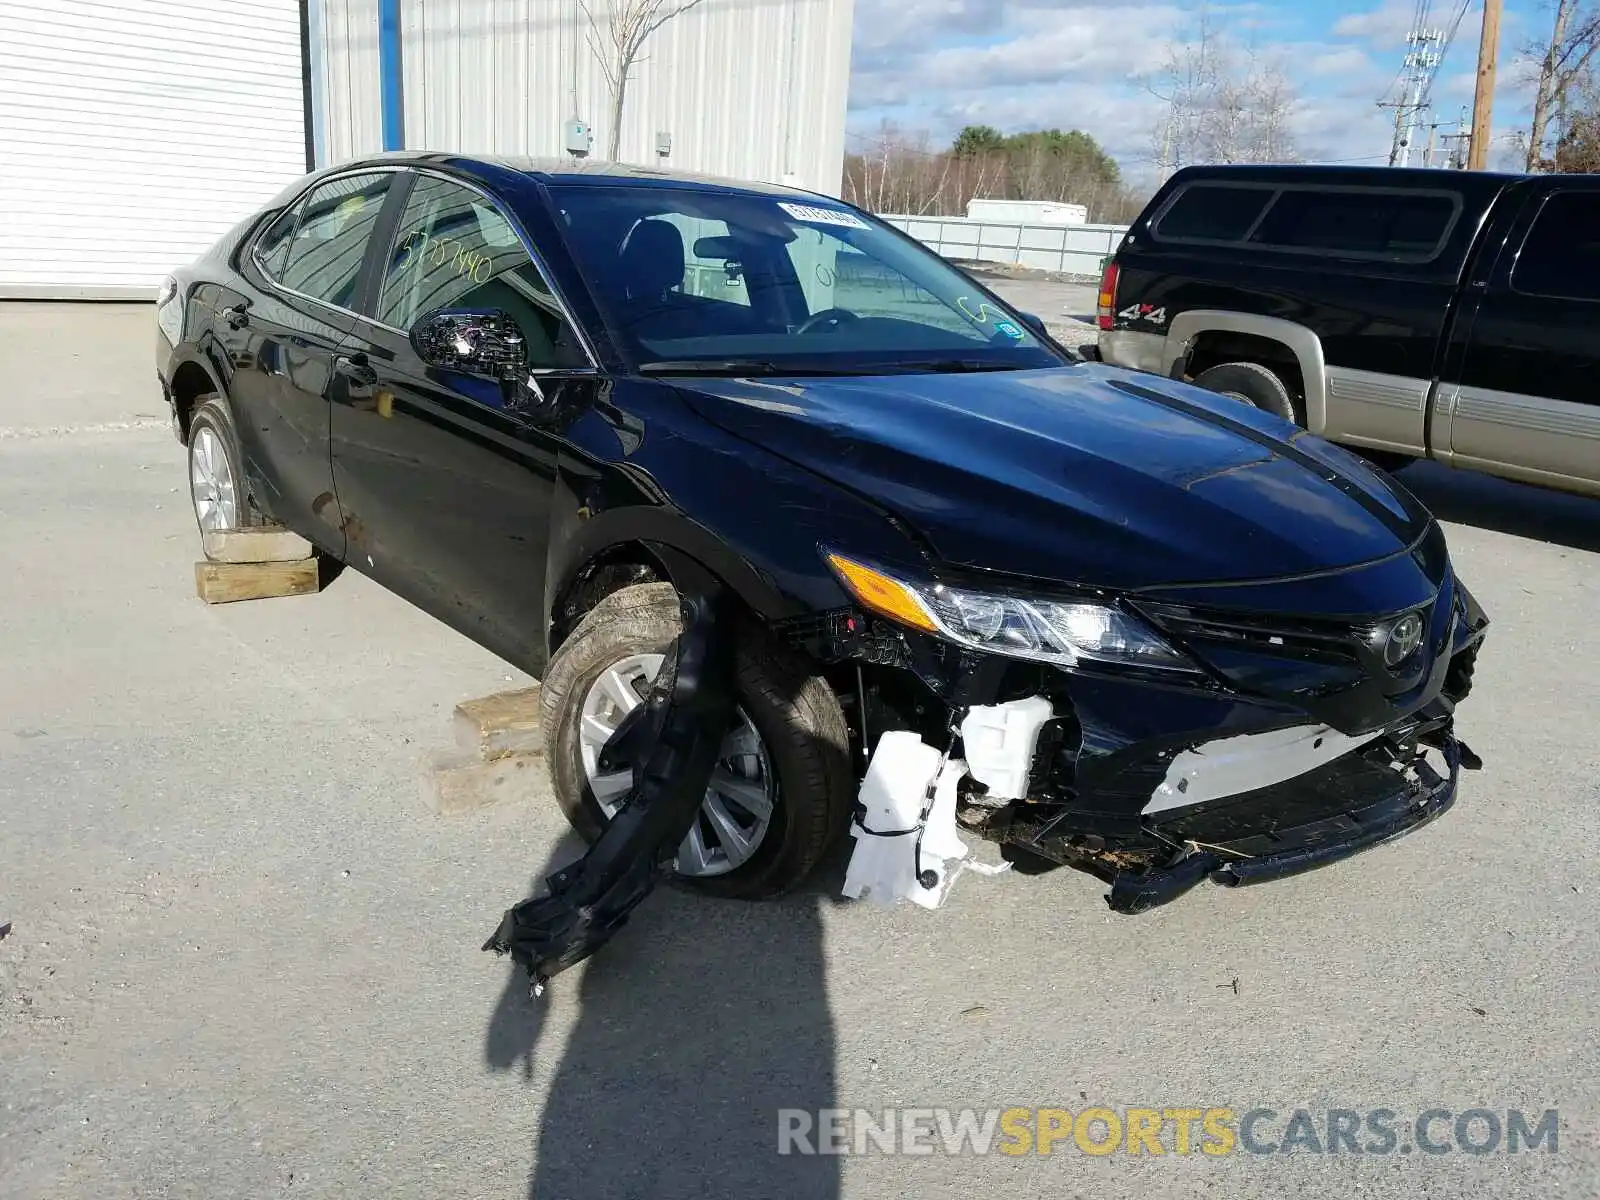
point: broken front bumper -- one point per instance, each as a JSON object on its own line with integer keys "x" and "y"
{"x": 1351, "y": 805}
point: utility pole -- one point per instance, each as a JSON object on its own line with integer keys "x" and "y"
{"x": 1455, "y": 157}
{"x": 1420, "y": 65}
{"x": 1483, "y": 97}
{"x": 1427, "y": 155}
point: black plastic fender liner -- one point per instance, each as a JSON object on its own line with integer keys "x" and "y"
{"x": 671, "y": 741}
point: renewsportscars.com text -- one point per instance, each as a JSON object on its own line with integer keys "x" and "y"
{"x": 1213, "y": 1132}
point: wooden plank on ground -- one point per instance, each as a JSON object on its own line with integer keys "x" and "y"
{"x": 266, "y": 544}
{"x": 493, "y": 727}
{"x": 223, "y": 583}
{"x": 453, "y": 784}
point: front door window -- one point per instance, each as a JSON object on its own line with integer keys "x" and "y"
{"x": 454, "y": 249}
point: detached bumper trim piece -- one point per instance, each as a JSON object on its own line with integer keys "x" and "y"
{"x": 1136, "y": 892}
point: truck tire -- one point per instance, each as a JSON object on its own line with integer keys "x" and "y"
{"x": 800, "y": 742}
{"x": 1253, "y": 384}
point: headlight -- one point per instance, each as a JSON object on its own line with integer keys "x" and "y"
{"x": 1055, "y": 631}
{"x": 167, "y": 290}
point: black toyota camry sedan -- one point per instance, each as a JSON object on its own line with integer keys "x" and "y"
{"x": 523, "y": 394}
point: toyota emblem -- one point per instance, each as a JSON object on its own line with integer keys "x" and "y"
{"x": 1405, "y": 635}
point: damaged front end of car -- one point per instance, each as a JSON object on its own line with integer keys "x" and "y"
{"x": 1158, "y": 738}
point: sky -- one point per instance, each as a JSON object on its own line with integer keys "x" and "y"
{"x": 937, "y": 65}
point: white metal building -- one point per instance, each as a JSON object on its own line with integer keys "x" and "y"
{"x": 133, "y": 133}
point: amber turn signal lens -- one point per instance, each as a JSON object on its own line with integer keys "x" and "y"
{"x": 882, "y": 595}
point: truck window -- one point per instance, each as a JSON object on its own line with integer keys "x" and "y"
{"x": 1401, "y": 225}
{"x": 1211, "y": 212}
{"x": 1561, "y": 256}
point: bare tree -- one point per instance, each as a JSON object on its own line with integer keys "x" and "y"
{"x": 1575, "y": 146}
{"x": 616, "y": 41}
{"x": 1221, "y": 106}
{"x": 1563, "y": 61}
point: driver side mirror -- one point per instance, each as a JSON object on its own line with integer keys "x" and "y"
{"x": 474, "y": 341}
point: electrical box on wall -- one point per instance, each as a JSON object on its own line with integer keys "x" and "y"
{"x": 663, "y": 144}
{"x": 579, "y": 138}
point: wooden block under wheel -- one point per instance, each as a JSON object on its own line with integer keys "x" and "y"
{"x": 506, "y": 723}
{"x": 223, "y": 583}
{"x": 267, "y": 544}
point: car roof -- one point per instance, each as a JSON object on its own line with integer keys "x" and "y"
{"x": 585, "y": 172}
{"x": 1338, "y": 173}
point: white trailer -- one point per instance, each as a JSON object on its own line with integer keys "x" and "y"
{"x": 1028, "y": 212}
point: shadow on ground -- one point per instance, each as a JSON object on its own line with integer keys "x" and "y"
{"x": 698, "y": 1022}
{"x": 1472, "y": 498}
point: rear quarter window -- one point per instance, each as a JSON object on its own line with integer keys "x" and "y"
{"x": 1374, "y": 224}
{"x": 1408, "y": 226}
{"x": 1211, "y": 212}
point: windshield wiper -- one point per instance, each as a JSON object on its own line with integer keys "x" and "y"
{"x": 737, "y": 366}
{"x": 955, "y": 366}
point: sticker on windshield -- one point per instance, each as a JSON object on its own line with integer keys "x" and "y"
{"x": 823, "y": 216}
{"x": 1007, "y": 328}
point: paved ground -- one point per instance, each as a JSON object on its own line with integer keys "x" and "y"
{"x": 243, "y": 960}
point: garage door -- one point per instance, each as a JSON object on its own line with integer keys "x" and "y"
{"x": 134, "y": 133}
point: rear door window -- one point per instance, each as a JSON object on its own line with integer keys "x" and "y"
{"x": 1561, "y": 257}
{"x": 1212, "y": 212}
{"x": 325, "y": 254}
{"x": 1366, "y": 224}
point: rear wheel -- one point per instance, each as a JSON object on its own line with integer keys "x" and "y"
{"x": 781, "y": 790}
{"x": 1251, "y": 383}
{"x": 216, "y": 478}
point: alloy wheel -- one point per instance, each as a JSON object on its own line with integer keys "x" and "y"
{"x": 211, "y": 482}
{"x": 736, "y": 814}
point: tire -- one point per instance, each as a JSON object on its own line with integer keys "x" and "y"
{"x": 211, "y": 433}
{"x": 1254, "y": 384}
{"x": 794, "y": 713}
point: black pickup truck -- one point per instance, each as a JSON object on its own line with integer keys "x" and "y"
{"x": 1451, "y": 315}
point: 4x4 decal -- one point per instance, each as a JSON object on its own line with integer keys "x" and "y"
{"x": 1144, "y": 312}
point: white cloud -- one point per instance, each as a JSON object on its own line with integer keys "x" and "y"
{"x": 1385, "y": 26}
{"x": 1341, "y": 61}
{"x": 936, "y": 65}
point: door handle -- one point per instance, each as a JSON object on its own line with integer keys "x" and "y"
{"x": 236, "y": 317}
{"x": 356, "y": 369}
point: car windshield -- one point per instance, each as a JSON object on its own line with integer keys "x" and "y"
{"x": 692, "y": 279}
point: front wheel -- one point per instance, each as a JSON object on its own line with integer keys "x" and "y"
{"x": 781, "y": 790}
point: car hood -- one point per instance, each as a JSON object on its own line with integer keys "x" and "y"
{"x": 1081, "y": 474}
